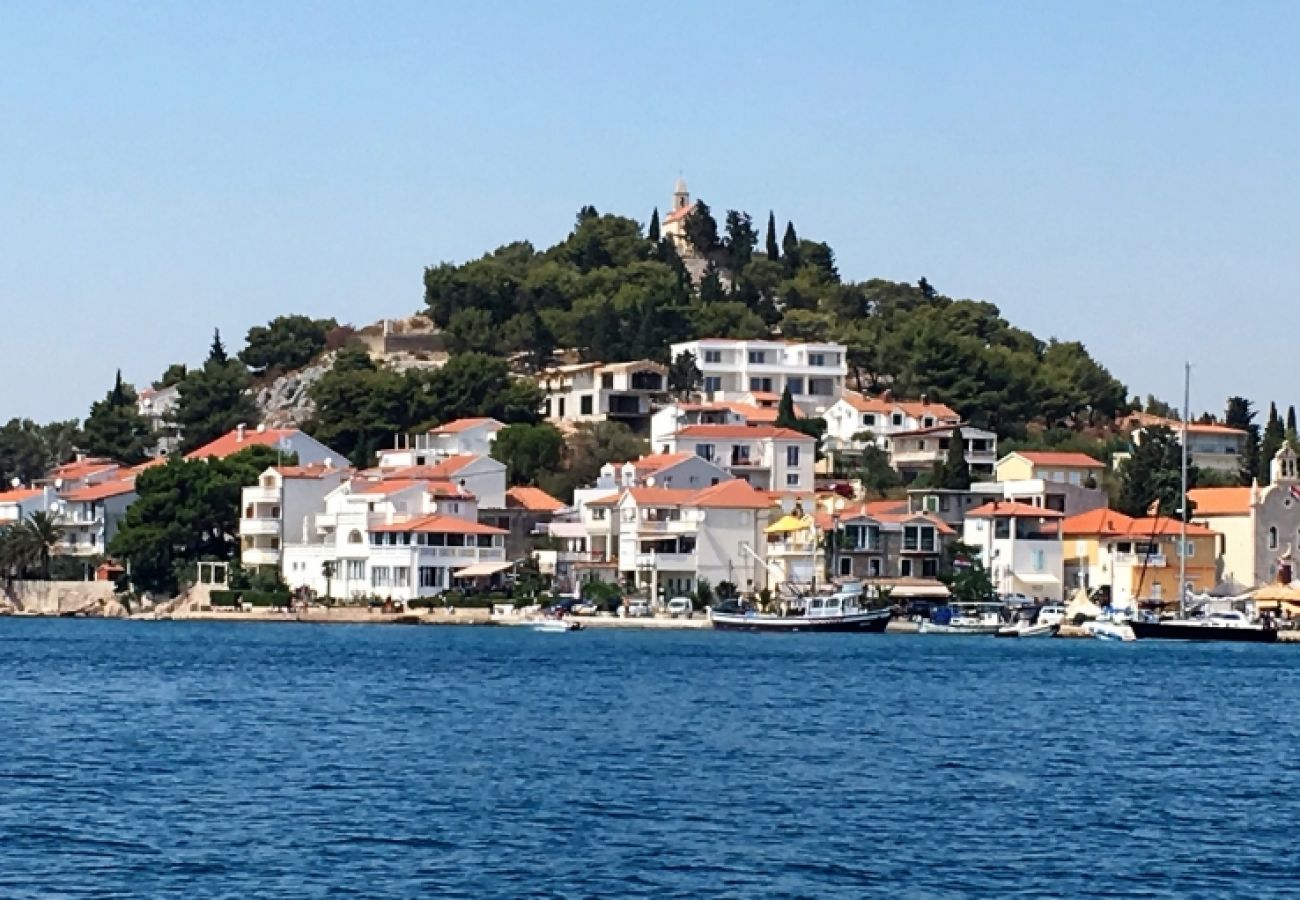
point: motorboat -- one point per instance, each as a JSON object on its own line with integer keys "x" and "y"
{"x": 1229, "y": 625}
{"x": 1025, "y": 629}
{"x": 557, "y": 626}
{"x": 837, "y": 612}
{"x": 1109, "y": 630}
{"x": 986, "y": 617}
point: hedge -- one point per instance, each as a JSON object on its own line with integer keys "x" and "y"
{"x": 253, "y": 598}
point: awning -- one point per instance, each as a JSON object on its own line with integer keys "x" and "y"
{"x": 478, "y": 570}
{"x": 787, "y": 524}
{"x": 1038, "y": 578}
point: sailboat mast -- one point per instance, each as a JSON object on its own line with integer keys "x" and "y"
{"x": 1182, "y": 503}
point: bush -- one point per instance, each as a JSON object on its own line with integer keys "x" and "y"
{"x": 252, "y": 598}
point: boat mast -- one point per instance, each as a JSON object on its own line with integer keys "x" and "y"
{"x": 1182, "y": 503}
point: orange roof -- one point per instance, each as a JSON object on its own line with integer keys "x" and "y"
{"x": 765, "y": 395}
{"x": 894, "y": 512}
{"x": 75, "y": 471}
{"x": 18, "y": 495}
{"x": 1146, "y": 420}
{"x": 459, "y": 425}
{"x": 742, "y": 431}
{"x": 1110, "y": 523}
{"x": 678, "y": 214}
{"x": 1220, "y": 501}
{"x": 1056, "y": 458}
{"x": 230, "y": 443}
{"x": 1014, "y": 509}
{"x": 444, "y": 469}
{"x": 734, "y": 494}
{"x": 657, "y": 462}
{"x": 440, "y": 524}
{"x": 533, "y": 499}
{"x": 914, "y": 408}
{"x": 101, "y": 491}
{"x": 647, "y": 496}
{"x": 316, "y": 470}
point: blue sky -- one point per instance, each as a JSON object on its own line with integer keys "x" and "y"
{"x": 1118, "y": 173}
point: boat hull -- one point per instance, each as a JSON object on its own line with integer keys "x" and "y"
{"x": 871, "y": 622}
{"x": 1033, "y": 631}
{"x": 1170, "y": 631}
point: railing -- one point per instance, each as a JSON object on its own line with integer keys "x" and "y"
{"x": 259, "y": 526}
{"x": 1137, "y": 559}
{"x": 261, "y": 494}
{"x": 259, "y": 556}
{"x": 481, "y": 553}
{"x": 662, "y": 561}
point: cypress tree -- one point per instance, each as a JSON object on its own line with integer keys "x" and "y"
{"x": 217, "y": 353}
{"x": 773, "y": 251}
{"x": 1274, "y": 434}
{"x": 1290, "y": 422}
{"x": 652, "y": 233}
{"x": 955, "y": 474}
{"x": 790, "y": 243}
{"x": 785, "y": 414}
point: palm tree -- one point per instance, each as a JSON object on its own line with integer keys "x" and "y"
{"x": 44, "y": 533}
{"x": 17, "y": 551}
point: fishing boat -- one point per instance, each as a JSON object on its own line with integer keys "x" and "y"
{"x": 1231, "y": 626}
{"x": 985, "y": 617}
{"x": 837, "y": 612}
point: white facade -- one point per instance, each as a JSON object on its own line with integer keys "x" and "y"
{"x": 592, "y": 392}
{"x": 90, "y": 516}
{"x": 734, "y": 369}
{"x": 855, "y": 414}
{"x": 768, "y": 457}
{"x": 19, "y": 503}
{"x": 279, "y": 509}
{"x": 921, "y": 451}
{"x": 481, "y": 476}
{"x": 306, "y": 448}
{"x": 459, "y": 438}
{"x": 1021, "y": 547}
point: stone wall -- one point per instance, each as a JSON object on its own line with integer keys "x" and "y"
{"x": 51, "y": 598}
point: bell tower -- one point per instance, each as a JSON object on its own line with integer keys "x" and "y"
{"x": 681, "y": 196}
{"x": 1283, "y": 465}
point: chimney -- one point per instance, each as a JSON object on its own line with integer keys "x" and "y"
{"x": 239, "y": 432}
{"x": 925, "y": 399}
{"x": 887, "y": 396}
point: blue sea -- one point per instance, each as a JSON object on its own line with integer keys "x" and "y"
{"x": 209, "y": 760}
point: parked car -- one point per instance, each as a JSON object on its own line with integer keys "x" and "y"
{"x": 1051, "y": 615}
{"x": 680, "y": 607}
{"x": 638, "y": 609}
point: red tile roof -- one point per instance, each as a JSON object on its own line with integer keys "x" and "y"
{"x": 677, "y": 214}
{"x": 533, "y": 499}
{"x": 1110, "y": 523}
{"x": 459, "y": 425}
{"x": 1220, "y": 501}
{"x": 231, "y": 443}
{"x": 657, "y": 462}
{"x": 316, "y": 470}
{"x": 101, "y": 491}
{"x": 742, "y": 431}
{"x": 647, "y": 496}
{"x": 734, "y": 494}
{"x": 1055, "y": 458}
{"x": 439, "y": 524}
{"x": 915, "y": 408}
{"x": 1012, "y": 508}
{"x": 19, "y": 495}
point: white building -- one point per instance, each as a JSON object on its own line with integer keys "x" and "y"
{"x": 287, "y": 440}
{"x": 672, "y": 418}
{"x": 1213, "y": 447}
{"x": 482, "y": 477}
{"x": 19, "y": 503}
{"x": 599, "y": 392}
{"x": 744, "y": 369}
{"x": 393, "y": 539}
{"x": 1020, "y": 546}
{"x": 914, "y": 452}
{"x": 279, "y": 509}
{"x": 158, "y": 405}
{"x": 91, "y": 514}
{"x": 667, "y": 540}
{"x": 768, "y": 457}
{"x": 457, "y": 438}
{"x": 855, "y": 414}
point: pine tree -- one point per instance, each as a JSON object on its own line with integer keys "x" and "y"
{"x": 1274, "y": 435}
{"x": 652, "y": 233}
{"x": 711, "y": 290}
{"x": 116, "y": 429}
{"x": 1290, "y": 422}
{"x": 927, "y": 290}
{"x": 773, "y": 250}
{"x": 214, "y": 399}
{"x": 218, "y": 350}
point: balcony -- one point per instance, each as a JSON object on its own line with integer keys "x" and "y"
{"x": 259, "y": 526}
{"x": 1154, "y": 560}
{"x": 259, "y": 556}
{"x": 663, "y": 562}
{"x": 259, "y": 494}
{"x": 460, "y": 553}
{"x": 748, "y": 461}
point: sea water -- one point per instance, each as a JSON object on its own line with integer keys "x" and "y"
{"x": 283, "y": 760}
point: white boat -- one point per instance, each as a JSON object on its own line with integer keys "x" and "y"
{"x": 839, "y": 612}
{"x": 557, "y": 626}
{"x": 1108, "y": 630}
{"x": 1026, "y": 629}
{"x": 967, "y": 618}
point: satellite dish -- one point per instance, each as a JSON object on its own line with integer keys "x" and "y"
{"x": 261, "y": 429}
{"x": 650, "y": 481}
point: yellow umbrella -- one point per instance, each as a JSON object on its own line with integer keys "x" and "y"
{"x": 1277, "y": 592}
{"x": 787, "y": 524}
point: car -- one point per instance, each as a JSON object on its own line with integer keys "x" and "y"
{"x": 638, "y": 609}
{"x": 680, "y": 607}
{"x": 1053, "y": 614}
{"x": 583, "y": 608}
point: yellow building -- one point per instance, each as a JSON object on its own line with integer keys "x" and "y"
{"x": 1137, "y": 558}
{"x": 1065, "y": 468}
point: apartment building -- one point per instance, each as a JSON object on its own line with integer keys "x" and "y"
{"x": 1138, "y": 558}
{"x": 768, "y": 457}
{"x": 599, "y": 392}
{"x": 748, "y": 369}
{"x": 279, "y": 509}
{"x": 1020, "y": 546}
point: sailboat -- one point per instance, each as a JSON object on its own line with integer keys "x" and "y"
{"x": 1223, "y": 626}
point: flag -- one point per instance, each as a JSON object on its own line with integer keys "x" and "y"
{"x": 1295, "y": 491}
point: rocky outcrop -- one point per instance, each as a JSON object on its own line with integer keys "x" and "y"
{"x": 285, "y": 402}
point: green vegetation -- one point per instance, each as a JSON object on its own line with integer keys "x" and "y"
{"x": 285, "y": 343}
{"x": 27, "y": 547}
{"x": 116, "y": 429}
{"x": 1151, "y": 478}
{"x": 212, "y": 399}
{"x": 29, "y": 450}
{"x": 529, "y": 452}
{"x": 187, "y": 511}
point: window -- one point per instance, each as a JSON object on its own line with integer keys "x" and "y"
{"x": 816, "y": 359}
{"x": 927, "y": 422}
{"x": 354, "y": 537}
{"x": 1272, "y": 539}
{"x": 846, "y": 565}
{"x": 1187, "y": 549}
{"x": 560, "y": 415}
{"x": 607, "y": 381}
{"x": 795, "y": 385}
{"x": 401, "y": 576}
{"x": 713, "y": 356}
{"x": 868, "y": 418}
{"x": 379, "y": 576}
{"x": 598, "y": 513}
{"x": 758, "y": 357}
{"x": 911, "y": 537}
{"x": 584, "y": 404}
{"x": 712, "y": 384}
{"x": 927, "y": 539}
{"x": 930, "y": 568}
{"x": 1002, "y": 529}
{"x": 704, "y": 451}
{"x": 792, "y": 456}
{"x": 546, "y": 408}
{"x": 355, "y": 570}
{"x": 763, "y": 385}
{"x": 792, "y": 480}
{"x": 428, "y": 577}
{"x": 821, "y": 387}
{"x": 943, "y": 503}
{"x": 905, "y": 568}
{"x": 1038, "y": 558}
{"x": 873, "y": 568}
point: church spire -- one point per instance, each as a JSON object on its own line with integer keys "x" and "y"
{"x": 681, "y": 196}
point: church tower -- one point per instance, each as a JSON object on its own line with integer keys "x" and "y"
{"x": 1283, "y": 465}
{"x": 681, "y": 196}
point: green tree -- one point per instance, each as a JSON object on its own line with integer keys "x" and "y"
{"x": 711, "y": 290}
{"x": 590, "y": 446}
{"x": 213, "y": 400}
{"x": 954, "y": 472}
{"x": 790, "y": 247}
{"x": 1152, "y": 475}
{"x": 529, "y": 451}
{"x": 773, "y": 249}
{"x": 359, "y": 407}
{"x": 684, "y": 375}
{"x": 741, "y": 239}
{"x": 43, "y": 534}
{"x": 652, "y": 233}
{"x": 1274, "y": 435}
{"x": 786, "y": 415}
{"x": 1240, "y": 413}
{"x": 701, "y": 229}
{"x": 285, "y": 343}
{"x": 471, "y": 331}
{"x": 964, "y": 574}
{"x": 29, "y": 450}
{"x": 186, "y": 511}
{"x": 875, "y": 473}
{"x": 1290, "y": 422}
{"x": 116, "y": 429}
{"x": 174, "y": 375}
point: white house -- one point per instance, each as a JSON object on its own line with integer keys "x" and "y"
{"x": 393, "y": 539}
{"x": 457, "y": 438}
{"x": 856, "y": 414}
{"x": 666, "y": 540}
{"x": 599, "y": 392}
{"x": 279, "y": 509}
{"x": 18, "y": 503}
{"x": 158, "y": 405}
{"x": 1020, "y": 546}
{"x": 91, "y": 514}
{"x": 1219, "y": 448}
{"x": 672, "y": 418}
{"x": 914, "y": 452}
{"x": 480, "y": 476}
{"x": 288, "y": 440}
{"x": 768, "y": 457}
{"x": 741, "y": 369}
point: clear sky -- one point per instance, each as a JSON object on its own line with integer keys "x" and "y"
{"x": 1120, "y": 173}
